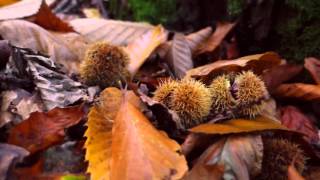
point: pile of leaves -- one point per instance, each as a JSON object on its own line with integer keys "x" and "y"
{"x": 55, "y": 126}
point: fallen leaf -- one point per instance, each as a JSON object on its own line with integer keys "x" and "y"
{"x": 293, "y": 118}
{"x": 99, "y": 134}
{"x": 5, "y": 51}
{"x": 180, "y": 57}
{"x": 235, "y": 157}
{"x": 239, "y": 126}
{"x": 313, "y": 66}
{"x": 257, "y": 63}
{"x": 114, "y": 32}
{"x": 301, "y": 91}
{"x": 92, "y": 13}
{"x": 293, "y": 174}
{"x": 56, "y": 89}
{"x": 67, "y": 49}
{"x": 9, "y": 156}
{"x": 36, "y": 11}
{"x": 140, "y": 49}
{"x": 223, "y": 28}
{"x": 44, "y": 129}
{"x": 139, "y": 151}
{"x": 7, "y": 2}
{"x": 277, "y": 75}
{"x": 17, "y": 105}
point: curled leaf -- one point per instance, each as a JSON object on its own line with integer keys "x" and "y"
{"x": 301, "y": 91}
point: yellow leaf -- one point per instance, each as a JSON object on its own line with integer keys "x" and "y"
{"x": 98, "y": 134}
{"x": 7, "y": 2}
{"x": 239, "y": 126}
{"x": 141, "y": 48}
{"x": 139, "y": 151}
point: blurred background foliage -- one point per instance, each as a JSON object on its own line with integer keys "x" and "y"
{"x": 290, "y": 27}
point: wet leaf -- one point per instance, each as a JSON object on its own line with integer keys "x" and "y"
{"x": 141, "y": 48}
{"x": 258, "y": 63}
{"x": 36, "y": 11}
{"x": 66, "y": 49}
{"x": 44, "y": 129}
{"x": 279, "y": 74}
{"x": 239, "y": 126}
{"x": 139, "y": 151}
{"x": 114, "y": 32}
{"x": 313, "y": 66}
{"x": 294, "y": 119}
{"x": 223, "y": 28}
{"x": 235, "y": 157}
{"x": 301, "y": 91}
{"x": 180, "y": 57}
{"x": 9, "y": 156}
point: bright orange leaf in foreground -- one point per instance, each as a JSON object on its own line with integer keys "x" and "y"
{"x": 139, "y": 151}
{"x": 44, "y": 129}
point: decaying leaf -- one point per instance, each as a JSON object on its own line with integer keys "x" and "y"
{"x": 279, "y": 74}
{"x": 9, "y": 156}
{"x": 179, "y": 56}
{"x": 301, "y": 91}
{"x": 56, "y": 89}
{"x": 293, "y": 118}
{"x": 313, "y": 66}
{"x": 98, "y": 143}
{"x": 257, "y": 63}
{"x": 17, "y": 105}
{"x": 66, "y": 49}
{"x": 114, "y": 32}
{"x": 235, "y": 157}
{"x": 139, "y": 151}
{"x": 239, "y": 126}
{"x": 214, "y": 41}
{"x": 44, "y": 129}
{"x": 36, "y": 11}
{"x": 140, "y": 49}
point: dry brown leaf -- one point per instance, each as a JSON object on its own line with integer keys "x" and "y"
{"x": 141, "y": 48}
{"x": 293, "y": 174}
{"x": 223, "y": 28}
{"x": 239, "y": 126}
{"x": 313, "y": 66}
{"x": 44, "y": 129}
{"x": 257, "y": 63}
{"x": 279, "y": 74}
{"x": 139, "y": 151}
{"x": 179, "y": 56}
{"x": 114, "y": 32}
{"x": 66, "y": 49}
{"x": 293, "y": 118}
{"x": 235, "y": 157}
{"x": 38, "y": 12}
{"x": 301, "y": 91}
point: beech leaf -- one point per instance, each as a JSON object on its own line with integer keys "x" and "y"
{"x": 260, "y": 123}
{"x": 139, "y": 151}
{"x": 301, "y": 91}
{"x": 44, "y": 129}
{"x": 313, "y": 66}
{"x": 235, "y": 157}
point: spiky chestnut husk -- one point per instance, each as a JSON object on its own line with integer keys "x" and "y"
{"x": 278, "y": 155}
{"x": 164, "y": 91}
{"x": 192, "y": 101}
{"x": 104, "y": 65}
{"x": 221, "y": 94}
{"x": 250, "y": 93}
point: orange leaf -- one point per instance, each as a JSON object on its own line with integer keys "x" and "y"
{"x": 141, "y": 48}
{"x": 139, "y": 151}
{"x": 313, "y": 66}
{"x": 7, "y": 2}
{"x": 44, "y": 129}
{"x": 307, "y": 92}
{"x": 239, "y": 126}
{"x": 36, "y": 11}
{"x": 258, "y": 63}
{"x": 293, "y": 174}
{"x": 216, "y": 38}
